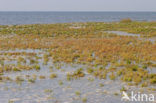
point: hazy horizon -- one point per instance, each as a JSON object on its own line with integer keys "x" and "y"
{"x": 80, "y": 5}
{"x": 77, "y": 11}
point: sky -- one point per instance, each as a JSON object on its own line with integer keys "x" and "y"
{"x": 77, "y": 5}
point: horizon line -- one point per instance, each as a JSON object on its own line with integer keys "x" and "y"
{"x": 75, "y": 11}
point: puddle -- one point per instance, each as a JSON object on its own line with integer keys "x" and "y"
{"x": 123, "y": 33}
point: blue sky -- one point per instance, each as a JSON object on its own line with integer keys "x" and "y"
{"x": 77, "y": 5}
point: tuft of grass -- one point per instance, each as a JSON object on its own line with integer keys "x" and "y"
{"x": 48, "y": 91}
{"x": 78, "y": 93}
{"x": 145, "y": 84}
{"x": 53, "y": 75}
{"x": 84, "y": 99}
{"x": 42, "y": 77}
{"x": 101, "y": 84}
{"x": 116, "y": 94}
{"x": 112, "y": 76}
{"x": 123, "y": 89}
{"x": 16, "y": 69}
{"x": 19, "y": 79}
{"x": 37, "y": 67}
{"x": 90, "y": 70}
{"x": 31, "y": 80}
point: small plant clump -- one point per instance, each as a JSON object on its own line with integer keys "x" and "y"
{"x": 37, "y": 67}
{"x": 42, "y": 77}
{"x": 76, "y": 74}
{"x": 52, "y": 76}
{"x": 112, "y": 76}
{"x": 101, "y": 84}
{"x": 78, "y": 93}
{"x": 84, "y": 99}
{"x": 48, "y": 91}
{"x": 31, "y": 80}
{"x": 19, "y": 79}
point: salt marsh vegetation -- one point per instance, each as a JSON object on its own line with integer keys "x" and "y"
{"x": 76, "y": 62}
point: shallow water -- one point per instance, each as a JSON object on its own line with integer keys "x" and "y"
{"x": 121, "y": 33}
{"x": 51, "y": 91}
